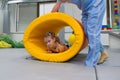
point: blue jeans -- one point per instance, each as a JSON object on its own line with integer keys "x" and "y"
{"x": 92, "y": 23}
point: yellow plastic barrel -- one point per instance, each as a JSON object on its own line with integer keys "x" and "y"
{"x": 52, "y": 22}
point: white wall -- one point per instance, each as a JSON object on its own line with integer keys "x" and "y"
{"x": 12, "y": 9}
{"x": 45, "y": 8}
{"x": 105, "y": 18}
{"x": 1, "y": 18}
{"x": 1, "y": 21}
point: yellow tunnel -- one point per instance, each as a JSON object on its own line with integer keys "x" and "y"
{"x": 53, "y": 22}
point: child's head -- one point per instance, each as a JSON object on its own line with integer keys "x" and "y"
{"x": 50, "y": 39}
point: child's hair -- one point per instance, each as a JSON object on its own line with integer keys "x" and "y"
{"x": 52, "y": 34}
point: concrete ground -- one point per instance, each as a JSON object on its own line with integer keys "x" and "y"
{"x": 17, "y": 64}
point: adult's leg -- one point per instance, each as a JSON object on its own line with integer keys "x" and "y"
{"x": 84, "y": 21}
{"x": 94, "y": 24}
{"x": 104, "y": 55}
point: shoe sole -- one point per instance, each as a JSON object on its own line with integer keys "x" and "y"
{"x": 102, "y": 61}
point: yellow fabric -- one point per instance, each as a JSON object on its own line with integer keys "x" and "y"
{"x": 52, "y": 22}
{"x": 4, "y": 44}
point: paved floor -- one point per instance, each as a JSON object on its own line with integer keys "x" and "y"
{"x": 16, "y": 64}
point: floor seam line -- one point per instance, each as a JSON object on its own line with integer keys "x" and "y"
{"x": 96, "y": 73}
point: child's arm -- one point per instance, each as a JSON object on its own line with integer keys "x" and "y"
{"x": 49, "y": 50}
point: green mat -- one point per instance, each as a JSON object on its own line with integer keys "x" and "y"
{"x": 15, "y": 44}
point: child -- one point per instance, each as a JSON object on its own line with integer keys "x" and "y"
{"x": 54, "y": 45}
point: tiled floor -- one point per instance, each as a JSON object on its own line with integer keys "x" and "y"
{"x": 17, "y": 64}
